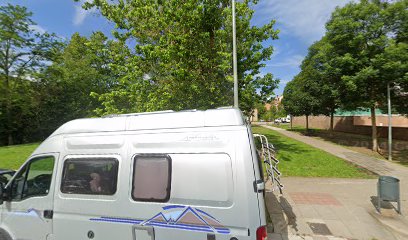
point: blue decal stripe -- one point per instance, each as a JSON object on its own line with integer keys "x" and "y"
{"x": 162, "y": 222}
{"x": 191, "y": 225}
{"x": 116, "y": 220}
{"x": 157, "y": 222}
{"x": 221, "y": 229}
{"x": 180, "y": 227}
{"x": 162, "y": 225}
{"x": 124, "y": 220}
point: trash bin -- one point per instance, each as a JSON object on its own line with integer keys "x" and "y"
{"x": 388, "y": 189}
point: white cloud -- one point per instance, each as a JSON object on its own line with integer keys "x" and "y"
{"x": 81, "y": 14}
{"x": 304, "y": 18}
{"x": 290, "y": 61}
{"x": 37, "y": 28}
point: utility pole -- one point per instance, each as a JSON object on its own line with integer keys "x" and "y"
{"x": 389, "y": 123}
{"x": 234, "y": 56}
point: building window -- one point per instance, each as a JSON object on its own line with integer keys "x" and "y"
{"x": 151, "y": 178}
{"x": 92, "y": 176}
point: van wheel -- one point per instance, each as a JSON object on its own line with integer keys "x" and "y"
{"x": 4, "y": 235}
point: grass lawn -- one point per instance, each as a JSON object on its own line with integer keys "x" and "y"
{"x": 357, "y": 142}
{"x": 299, "y": 159}
{"x": 14, "y": 156}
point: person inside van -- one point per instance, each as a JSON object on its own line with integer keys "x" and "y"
{"x": 95, "y": 183}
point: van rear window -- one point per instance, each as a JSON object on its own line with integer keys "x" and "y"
{"x": 151, "y": 178}
{"x": 92, "y": 176}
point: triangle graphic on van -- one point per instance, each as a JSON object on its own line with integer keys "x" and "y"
{"x": 159, "y": 218}
{"x": 189, "y": 216}
{"x": 176, "y": 217}
{"x": 186, "y": 218}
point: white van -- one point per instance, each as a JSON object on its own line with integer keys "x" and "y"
{"x": 191, "y": 175}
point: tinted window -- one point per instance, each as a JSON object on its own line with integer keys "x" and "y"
{"x": 94, "y": 176}
{"x": 34, "y": 179}
{"x": 152, "y": 177}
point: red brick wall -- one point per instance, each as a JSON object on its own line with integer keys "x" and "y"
{"x": 358, "y": 124}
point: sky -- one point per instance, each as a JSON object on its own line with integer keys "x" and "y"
{"x": 300, "y": 22}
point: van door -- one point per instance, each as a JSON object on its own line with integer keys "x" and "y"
{"x": 28, "y": 212}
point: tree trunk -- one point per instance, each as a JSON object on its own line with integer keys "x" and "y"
{"x": 331, "y": 129}
{"x": 374, "y": 129}
{"x": 291, "y": 122}
{"x": 10, "y": 139}
{"x": 307, "y": 123}
{"x": 331, "y": 122}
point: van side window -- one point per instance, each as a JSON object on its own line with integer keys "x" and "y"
{"x": 34, "y": 179}
{"x": 151, "y": 178}
{"x": 91, "y": 176}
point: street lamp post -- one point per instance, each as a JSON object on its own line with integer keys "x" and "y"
{"x": 389, "y": 123}
{"x": 234, "y": 56}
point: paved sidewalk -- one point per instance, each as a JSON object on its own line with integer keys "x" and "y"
{"x": 378, "y": 166}
{"x": 364, "y": 190}
{"x": 326, "y": 209}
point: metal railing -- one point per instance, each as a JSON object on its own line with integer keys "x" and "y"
{"x": 268, "y": 156}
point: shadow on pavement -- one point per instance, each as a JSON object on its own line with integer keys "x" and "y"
{"x": 287, "y": 209}
{"x": 384, "y": 204}
{"x": 282, "y": 215}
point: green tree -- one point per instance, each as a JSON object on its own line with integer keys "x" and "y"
{"x": 361, "y": 34}
{"x": 319, "y": 67}
{"x": 23, "y": 52}
{"x": 84, "y": 68}
{"x": 273, "y": 113}
{"x": 394, "y": 66}
{"x": 261, "y": 111}
{"x": 182, "y": 56}
{"x": 280, "y": 111}
{"x": 300, "y": 97}
{"x": 393, "y": 63}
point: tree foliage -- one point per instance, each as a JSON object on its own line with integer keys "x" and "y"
{"x": 364, "y": 49}
{"x": 23, "y": 52}
{"x": 301, "y": 97}
{"x": 182, "y": 55}
{"x": 164, "y": 55}
{"x": 82, "y": 69}
{"x": 363, "y": 36}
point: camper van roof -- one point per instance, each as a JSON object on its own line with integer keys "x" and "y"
{"x": 155, "y": 120}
